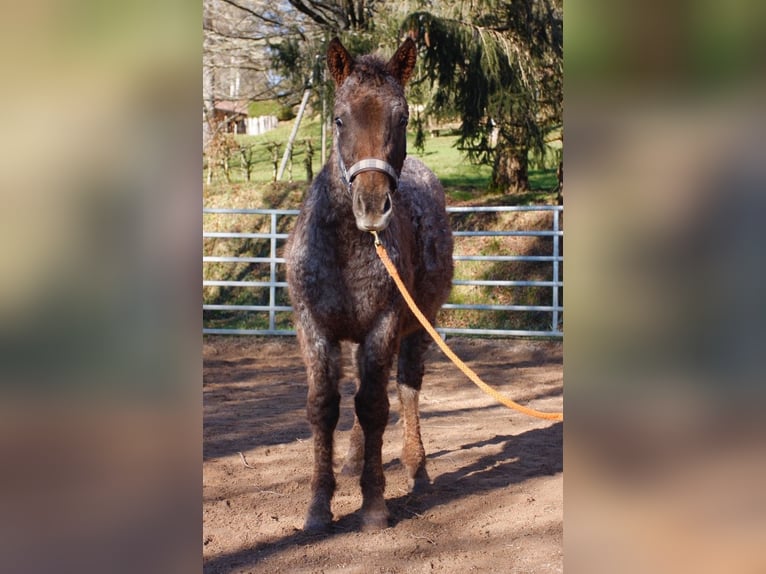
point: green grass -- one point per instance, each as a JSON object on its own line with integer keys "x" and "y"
{"x": 265, "y": 108}
{"x": 455, "y": 171}
{"x": 463, "y": 181}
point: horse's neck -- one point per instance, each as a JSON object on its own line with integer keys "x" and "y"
{"x": 342, "y": 237}
{"x": 335, "y": 209}
{"x": 338, "y": 196}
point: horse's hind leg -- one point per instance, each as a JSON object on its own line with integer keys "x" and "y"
{"x": 409, "y": 379}
{"x": 352, "y": 465}
{"x": 323, "y": 366}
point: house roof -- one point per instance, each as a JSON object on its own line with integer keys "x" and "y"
{"x": 232, "y": 106}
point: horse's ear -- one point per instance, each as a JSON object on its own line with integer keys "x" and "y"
{"x": 339, "y": 61}
{"x": 402, "y": 63}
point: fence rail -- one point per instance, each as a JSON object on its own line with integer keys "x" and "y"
{"x": 274, "y": 235}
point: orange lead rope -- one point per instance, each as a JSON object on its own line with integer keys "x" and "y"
{"x": 381, "y": 250}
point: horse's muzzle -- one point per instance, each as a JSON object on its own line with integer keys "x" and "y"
{"x": 371, "y": 182}
{"x": 372, "y": 211}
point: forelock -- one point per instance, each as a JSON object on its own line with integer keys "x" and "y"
{"x": 369, "y": 72}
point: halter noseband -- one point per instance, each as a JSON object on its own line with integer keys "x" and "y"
{"x": 367, "y": 164}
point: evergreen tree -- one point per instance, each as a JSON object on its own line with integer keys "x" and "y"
{"x": 499, "y": 67}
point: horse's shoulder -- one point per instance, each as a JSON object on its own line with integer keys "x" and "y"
{"x": 316, "y": 208}
{"x": 416, "y": 168}
{"x": 422, "y": 188}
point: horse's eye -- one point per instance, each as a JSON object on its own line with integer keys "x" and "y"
{"x": 339, "y": 122}
{"x": 404, "y": 120}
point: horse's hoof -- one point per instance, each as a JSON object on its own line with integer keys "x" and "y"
{"x": 373, "y": 521}
{"x": 419, "y": 484}
{"x": 417, "y": 487}
{"x": 317, "y": 523}
{"x": 317, "y": 520}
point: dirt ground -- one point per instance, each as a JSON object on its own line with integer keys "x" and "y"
{"x": 496, "y": 504}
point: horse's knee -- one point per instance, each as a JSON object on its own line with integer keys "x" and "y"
{"x": 372, "y": 407}
{"x": 323, "y": 409}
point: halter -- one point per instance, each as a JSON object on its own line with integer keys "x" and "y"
{"x": 367, "y": 164}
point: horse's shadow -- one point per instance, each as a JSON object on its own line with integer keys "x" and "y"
{"x": 538, "y": 452}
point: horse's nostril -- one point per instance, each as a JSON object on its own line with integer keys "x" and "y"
{"x": 387, "y": 205}
{"x": 359, "y": 204}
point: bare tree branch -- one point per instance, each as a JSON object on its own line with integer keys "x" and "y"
{"x": 323, "y": 13}
{"x": 254, "y": 13}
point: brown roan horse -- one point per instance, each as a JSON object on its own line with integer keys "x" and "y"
{"x": 341, "y": 291}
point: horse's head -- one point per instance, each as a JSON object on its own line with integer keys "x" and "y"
{"x": 371, "y": 118}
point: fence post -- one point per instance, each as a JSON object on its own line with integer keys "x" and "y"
{"x": 555, "y": 300}
{"x": 273, "y": 273}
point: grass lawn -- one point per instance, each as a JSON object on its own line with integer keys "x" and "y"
{"x": 463, "y": 181}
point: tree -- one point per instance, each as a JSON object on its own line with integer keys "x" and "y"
{"x": 237, "y": 61}
{"x": 499, "y": 66}
{"x": 339, "y": 15}
{"x": 362, "y": 24}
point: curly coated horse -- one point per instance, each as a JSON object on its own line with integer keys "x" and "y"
{"x": 341, "y": 291}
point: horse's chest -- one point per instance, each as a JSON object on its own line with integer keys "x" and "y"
{"x": 351, "y": 293}
{"x": 366, "y": 287}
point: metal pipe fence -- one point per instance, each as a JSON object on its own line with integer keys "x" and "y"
{"x": 276, "y": 286}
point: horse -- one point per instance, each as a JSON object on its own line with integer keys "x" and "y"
{"x": 340, "y": 290}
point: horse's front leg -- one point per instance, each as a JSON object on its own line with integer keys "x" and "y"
{"x": 323, "y": 367}
{"x": 374, "y": 359}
